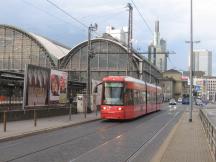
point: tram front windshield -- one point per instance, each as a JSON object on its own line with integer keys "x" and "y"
{"x": 113, "y": 94}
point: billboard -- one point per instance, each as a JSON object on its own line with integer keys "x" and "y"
{"x": 36, "y": 86}
{"x": 58, "y": 86}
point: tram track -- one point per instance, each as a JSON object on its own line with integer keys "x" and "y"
{"x": 62, "y": 143}
{"x": 98, "y": 130}
{"x": 151, "y": 138}
{"x": 120, "y": 135}
{"x": 128, "y": 158}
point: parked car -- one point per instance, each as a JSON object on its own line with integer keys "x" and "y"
{"x": 172, "y": 102}
{"x": 179, "y": 100}
{"x": 185, "y": 101}
{"x": 200, "y": 103}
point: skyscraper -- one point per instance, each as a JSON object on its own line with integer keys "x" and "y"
{"x": 157, "y": 50}
{"x": 202, "y": 61}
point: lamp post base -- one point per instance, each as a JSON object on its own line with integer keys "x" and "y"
{"x": 190, "y": 120}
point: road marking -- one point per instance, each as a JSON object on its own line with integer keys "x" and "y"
{"x": 158, "y": 155}
{"x": 133, "y": 156}
{"x": 72, "y": 160}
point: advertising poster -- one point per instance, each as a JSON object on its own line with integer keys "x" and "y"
{"x": 36, "y": 86}
{"x": 58, "y": 86}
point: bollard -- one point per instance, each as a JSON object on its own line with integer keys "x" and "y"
{"x": 5, "y": 121}
{"x": 70, "y": 111}
{"x": 96, "y": 110}
{"x": 35, "y": 118}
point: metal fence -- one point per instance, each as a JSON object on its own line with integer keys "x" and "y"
{"x": 210, "y": 131}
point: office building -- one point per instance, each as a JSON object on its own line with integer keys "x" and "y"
{"x": 202, "y": 61}
{"x": 205, "y": 87}
{"x": 157, "y": 50}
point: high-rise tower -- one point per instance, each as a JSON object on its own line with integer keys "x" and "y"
{"x": 202, "y": 61}
{"x": 157, "y": 50}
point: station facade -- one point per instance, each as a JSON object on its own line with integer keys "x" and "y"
{"x": 18, "y": 48}
{"x": 110, "y": 58}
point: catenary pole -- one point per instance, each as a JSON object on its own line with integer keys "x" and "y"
{"x": 191, "y": 60}
{"x": 91, "y": 28}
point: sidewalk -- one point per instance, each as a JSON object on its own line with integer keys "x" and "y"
{"x": 17, "y": 129}
{"x": 186, "y": 142}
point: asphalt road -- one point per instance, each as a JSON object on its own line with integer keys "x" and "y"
{"x": 99, "y": 141}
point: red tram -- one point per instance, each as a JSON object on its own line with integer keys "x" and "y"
{"x": 125, "y": 97}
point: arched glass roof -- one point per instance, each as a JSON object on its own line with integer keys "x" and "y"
{"x": 57, "y": 50}
{"x": 111, "y": 58}
{"x": 18, "y": 47}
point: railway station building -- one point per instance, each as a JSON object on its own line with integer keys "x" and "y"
{"x": 111, "y": 57}
{"x": 18, "y": 48}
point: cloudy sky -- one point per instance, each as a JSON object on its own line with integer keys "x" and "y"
{"x": 40, "y": 17}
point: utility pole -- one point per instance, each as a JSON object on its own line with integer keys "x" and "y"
{"x": 191, "y": 61}
{"x": 91, "y": 28}
{"x": 130, "y": 35}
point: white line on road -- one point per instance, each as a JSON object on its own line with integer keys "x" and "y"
{"x": 72, "y": 160}
{"x": 151, "y": 139}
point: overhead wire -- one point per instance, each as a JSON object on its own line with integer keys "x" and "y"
{"x": 174, "y": 67}
{"x": 144, "y": 20}
{"x": 66, "y": 13}
{"x": 142, "y": 17}
{"x": 104, "y": 20}
{"x": 74, "y": 18}
{"x": 49, "y": 15}
{"x": 45, "y": 11}
{"x": 117, "y": 9}
{"x": 104, "y": 17}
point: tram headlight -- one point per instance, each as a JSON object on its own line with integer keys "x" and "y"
{"x": 120, "y": 108}
{"x": 104, "y": 108}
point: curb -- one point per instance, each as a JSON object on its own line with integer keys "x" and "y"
{"x": 162, "y": 149}
{"x": 44, "y": 130}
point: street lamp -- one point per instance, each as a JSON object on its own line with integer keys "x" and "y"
{"x": 191, "y": 58}
{"x": 90, "y": 55}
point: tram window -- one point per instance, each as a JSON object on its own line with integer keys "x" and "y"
{"x": 140, "y": 97}
{"x": 113, "y": 94}
{"x": 148, "y": 97}
{"x": 152, "y": 98}
{"x": 160, "y": 98}
{"x": 129, "y": 99}
{"x": 136, "y": 97}
{"x": 143, "y": 95}
{"x": 126, "y": 97}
